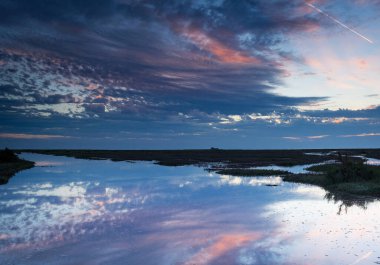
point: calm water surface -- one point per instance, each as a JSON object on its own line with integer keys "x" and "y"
{"x": 71, "y": 211}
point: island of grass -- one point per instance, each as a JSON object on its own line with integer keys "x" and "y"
{"x": 350, "y": 176}
{"x": 10, "y": 164}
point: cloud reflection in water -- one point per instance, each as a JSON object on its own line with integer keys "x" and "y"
{"x": 62, "y": 212}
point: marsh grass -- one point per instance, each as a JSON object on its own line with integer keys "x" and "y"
{"x": 349, "y": 175}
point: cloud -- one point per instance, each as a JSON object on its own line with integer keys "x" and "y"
{"x": 294, "y": 138}
{"x": 317, "y": 136}
{"x": 300, "y": 138}
{"x": 56, "y": 99}
{"x": 293, "y": 116}
{"x": 338, "y": 120}
{"x": 360, "y": 135}
{"x": 215, "y": 57}
{"x": 31, "y": 136}
{"x": 230, "y": 119}
{"x": 218, "y": 49}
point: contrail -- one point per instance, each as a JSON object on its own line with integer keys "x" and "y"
{"x": 338, "y": 22}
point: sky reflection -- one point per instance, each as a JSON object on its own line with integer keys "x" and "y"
{"x": 103, "y": 212}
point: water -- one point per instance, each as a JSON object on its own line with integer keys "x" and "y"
{"x": 71, "y": 211}
{"x": 370, "y": 161}
{"x": 321, "y": 153}
{"x": 301, "y": 169}
{"x": 297, "y": 169}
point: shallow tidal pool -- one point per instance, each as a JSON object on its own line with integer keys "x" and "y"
{"x": 73, "y": 211}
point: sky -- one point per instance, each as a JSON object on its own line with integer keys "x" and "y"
{"x": 134, "y": 74}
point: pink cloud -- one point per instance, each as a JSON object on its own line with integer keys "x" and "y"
{"x": 222, "y": 52}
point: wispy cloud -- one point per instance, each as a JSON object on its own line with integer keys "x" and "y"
{"x": 230, "y": 119}
{"x": 360, "y": 135}
{"x": 338, "y": 120}
{"x": 317, "y": 136}
{"x": 31, "y": 136}
{"x": 292, "y": 138}
{"x": 218, "y": 49}
{"x": 300, "y": 138}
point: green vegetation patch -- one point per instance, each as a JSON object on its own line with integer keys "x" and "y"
{"x": 359, "y": 188}
{"x": 315, "y": 179}
{"x": 348, "y": 176}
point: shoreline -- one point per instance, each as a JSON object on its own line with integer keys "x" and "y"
{"x": 8, "y": 170}
{"x": 242, "y": 162}
{"x": 10, "y": 164}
